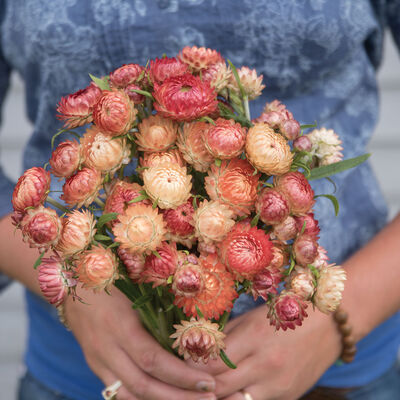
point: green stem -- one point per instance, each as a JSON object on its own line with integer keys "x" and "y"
{"x": 246, "y": 107}
{"x": 99, "y": 202}
{"x": 56, "y": 204}
{"x": 223, "y": 320}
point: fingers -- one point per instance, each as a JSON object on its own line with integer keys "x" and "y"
{"x": 122, "y": 393}
{"x": 250, "y": 393}
{"x": 151, "y": 358}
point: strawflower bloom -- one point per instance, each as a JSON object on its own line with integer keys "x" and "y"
{"x": 190, "y": 143}
{"x": 135, "y": 97}
{"x": 225, "y": 139}
{"x": 199, "y": 58}
{"x": 184, "y": 98}
{"x": 233, "y": 183}
{"x": 156, "y": 134}
{"x": 305, "y": 249}
{"x": 167, "y": 184}
{"x": 198, "y": 340}
{"x": 286, "y": 230}
{"x": 55, "y": 280}
{"x": 31, "y": 189}
{"x": 287, "y": 311}
{"x": 218, "y": 291}
{"x": 65, "y": 159}
{"x": 76, "y": 109}
{"x": 41, "y": 228}
{"x": 267, "y": 150}
{"x": 125, "y": 75}
{"x": 164, "y": 68}
{"x": 114, "y": 113}
{"x": 77, "y": 232}
{"x": 280, "y": 255}
{"x": 251, "y": 82}
{"x": 301, "y": 282}
{"x": 302, "y": 143}
{"x": 140, "y": 229}
{"x": 179, "y": 220}
{"x": 134, "y": 264}
{"x": 97, "y": 268}
{"x": 246, "y": 251}
{"x": 82, "y": 188}
{"x": 188, "y": 280}
{"x": 212, "y": 221}
{"x": 217, "y": 75}
{"x": 272, "y": 206}
{"x": 101, "y": 152}
{"x": 265, "y": 283}
{"x": 322, "y": 258}
{"x": 326, "y": 146}
{"x": 309, "y": 223}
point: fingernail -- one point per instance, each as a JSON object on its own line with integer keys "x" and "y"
{"x": 206, "y": 386}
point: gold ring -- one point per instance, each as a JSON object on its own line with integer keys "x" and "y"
{"x": 246, "y": 395}
{"x": 110, "y": 391}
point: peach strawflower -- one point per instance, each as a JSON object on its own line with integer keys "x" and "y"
{"x": 101, "y": 152}
{"x": 280, "y": 255}
{"x": 297, "y": 190}
{"x": 125, "y": 75}
{"x": 199, "y": 58}
{"x": 267, "y": 150}
{"x": 217, "y": 295}
{"x": 184, "y": 98}
{"x": 206, "y": 248}
{"x": 156, "y": 134}
{"x": 140, "y": 229}
{"x": 198, "y": 340}
{"x": 233, "y": 183}
{"x": 301, "y": 282}
{"x": 55, "y": 280}
{"x": 134, "y": 264}
{"x": 158, "y": 268}
{"x": 163, "y": 68}
{"x": 170, "y": 156}
{"x": 82, "y": 188}
{"x": 212, "y": 221}
{"x": 246, "y": 251}
{"x": 76, "y": 109}
{"x": 65, "y": 159}
{"x": 97, "y": 268}
{"x": 77, "y": 233}
{"x": 272, "y": 206}
{"x": 31, "y": 189}
{"x": 225, "y": 139}
{"x": 114, "y": 113}
{"x": 167, "y": 184}
{"x": 41, "y": 228}
{"x": 251, "y": 82}
{"x": 286, "y": 230}
{"x": 190, "y": 143}
{"x": 265, "y": 283}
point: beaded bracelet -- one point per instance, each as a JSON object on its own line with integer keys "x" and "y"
{"x": 349, "y": 349}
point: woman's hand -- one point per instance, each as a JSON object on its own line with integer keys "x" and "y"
{"x": 117, "y": 347}
{"x": 275, "y": 365}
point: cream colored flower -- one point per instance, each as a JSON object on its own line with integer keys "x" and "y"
{"x": 218, "y": 76}
{"x": 301, "y": 282}
{"x": 167, "y": 184}
{"x": 173, "y": 156}
{"x": 326, "y": 146}
{"x": 251, "y": 82}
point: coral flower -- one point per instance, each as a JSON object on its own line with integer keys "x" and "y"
{"x": 225, "y": 139}
{"x": 173, "y": 156}
{"x": 164, "y": 68}
{"x": 55, "y": 280}
{"x": 114, "y": 113}
{"x": 246, "y": 251}
{"x": 65, "y": 159}
{"x": 125, "y": 75}
{"x": 212, "y": 221}
{"x": 140, "y": 229}
{"x": 77, "y": 233}
{"x": 76, "y": 109}
{"x": 251, "y": 82}
{"x": 217, "y": 75}
{"x": 82, "y": 188}
{"x": 167, "y": 184}
{"x": 31, "y": 189}
{"x": 184, "y": 98}
{"x": 296, "y": 188}
{"x": 308, "y": 224}
{"x": 265, "y": 283}
{"x": 286, "y": 230}
{"x": 233, "y": 183}
{"x": 41, "y": 228}
{"x": 156, "y": 134}
{"x": 190, "y": 143}
{"x": 101, "y": 152}
{"x": 179, "y": 220}
{"x": 97, "y": 268}
{"x": 199, "y": 58}
{"x": 134, "y": 264}
{"x": 287, "y": 310}
{"x": 218, "y": 292}
{"x": 158, "y": 268}
{"x": 267, "y": 150}
{"x": 272, "y": 206}
{"x": 198, "y": 340}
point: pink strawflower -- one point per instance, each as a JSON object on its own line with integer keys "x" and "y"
{"x": 164, "y": 68}
{"x": 322, "y": 258}
{"x": 286, "y": 230}
{"x": 199, "y": 58}
{"x": 290, "y": 129}
{"x": 135, "y": 97}
{"x": 217, "y": 75}
{"x": 302, "y": 143}
{"x": 188, "y": 280}
{"x": 125, "y": 75}
{"x": 65, "y": 159}
{"x": 265, "y": 283}
{"x": 134, "y": 264}
{"x": 310, "y": 224}
{"x": 272, "y": 206}
{"x": 179, "y": 221}
{"x": 305, "y": 249}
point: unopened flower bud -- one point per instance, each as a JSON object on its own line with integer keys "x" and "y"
{"x": 305, "y": 249}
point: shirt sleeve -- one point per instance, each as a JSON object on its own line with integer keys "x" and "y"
{"x": 393, "y": 19}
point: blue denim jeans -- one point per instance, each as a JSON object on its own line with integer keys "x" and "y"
{"x": 387, "y": 387}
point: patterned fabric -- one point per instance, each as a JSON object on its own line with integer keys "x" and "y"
{"x": 317, "y": 56}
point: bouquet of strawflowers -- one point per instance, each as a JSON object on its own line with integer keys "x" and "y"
{"x": 217, "y": 205}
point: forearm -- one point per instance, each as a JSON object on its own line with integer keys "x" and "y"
{"x": 16, "y": 258}
{"x": 372, "y": 290}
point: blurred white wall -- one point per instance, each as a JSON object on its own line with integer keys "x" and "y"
{"x": 385, "y": 149}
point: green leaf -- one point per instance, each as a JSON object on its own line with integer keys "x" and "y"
{"x": 170, "y": 279}
{"x": 333, "y": 183}
{"x": 217, "y": 162}
{"x": 102, "y": 83}
{"x": 236, "y": 75}
{"x": 159, "y": 291}
{"x": 207, "y": 119}
{"x": 226, "y": 360}
{"x": 38, "y": 261}
{"x": 307, "y": 126}
{"x": 141, "y": 301}
{"x": 157, "y": 254}
{"x": 255, "y": 220}
{"x": 169, "y": 308}
{"x": 314, "y": 271}
{"x": 194, "y": 203}
{"x": 155, "y": 203}
{"x": 332, "y": 169}
{"x": 144, "y": 93}
{"x": 227, "y": 113}
{"x": 333, "y": 199}
{"x": 199, "y": 313}
{"x": 101, "y": 238}
{"x": 303, "y": 228}
{"x": 112, "y": 245}
{"x": 139, "y": 198}
{"x": 106, "y": 218}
